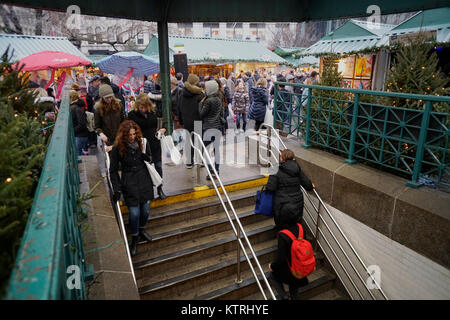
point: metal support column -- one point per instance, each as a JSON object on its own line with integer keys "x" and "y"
{"x": 163, "y": 44}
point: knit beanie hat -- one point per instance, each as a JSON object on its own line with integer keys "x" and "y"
{"x": 211, "y": 87}
{"x": 105, "y": 91}
{"x": 193, "y": 79}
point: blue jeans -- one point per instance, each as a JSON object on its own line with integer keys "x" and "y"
{"x": 82, "y": 144}
{"x": 238, "y": 120}
{"x": 158, "y": 167}
{"x": 138, "y": 216}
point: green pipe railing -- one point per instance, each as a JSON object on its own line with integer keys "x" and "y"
{"x": 50, "y": 262}
{"x": 407, "y": 141}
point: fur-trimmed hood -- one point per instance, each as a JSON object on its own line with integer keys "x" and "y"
{"x": 192, "y": 88}
{"x": 44, "y": 99}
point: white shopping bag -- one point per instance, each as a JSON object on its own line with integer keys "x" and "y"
{"x": 156, "y": 178}
{"x": 169, "y": 150}
{"x": 268, "y": 119}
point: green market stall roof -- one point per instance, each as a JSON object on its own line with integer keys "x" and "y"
{"x": 429, "y": 20}
{"x": 352, "y": 36}
{"x": 294, "y": 56}
{"x": 216, "y": 50}
{"x": 232, "y": 10}
{"x": 24, "y": 45}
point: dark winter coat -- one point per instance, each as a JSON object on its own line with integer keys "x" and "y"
{"x": 241, "y": 101}
{"x": 211, "y": 112}
{"x": 79, "y": 120}
{"x": 156, "y": 97}
{"x": 148, "y": 123}
{"x": 135, "y": 184}
{"x": 259, "y": 99}
{"x": 285, "y": 186}
{"x": 108, "y": 123}
{"x": 148, "y": 86}
{"x": 280, "y": 265}
{"x": 118, "y": 93}
{"x": 188, "y": 106}
{"x": 175, "y": 99}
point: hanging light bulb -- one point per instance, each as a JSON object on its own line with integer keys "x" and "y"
{"x": 8, "y": 180}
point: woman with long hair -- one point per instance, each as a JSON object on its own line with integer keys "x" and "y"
{"x": 108, "y": 115}
{"x": 144, "y": 114}
{"x": 135, "y": 184}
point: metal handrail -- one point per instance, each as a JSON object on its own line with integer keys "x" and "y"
{"x": 320, "y": 218}
{"x": 118, "y": 212}
{"x": 240, "y": 227}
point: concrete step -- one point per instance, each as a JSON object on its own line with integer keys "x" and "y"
{"x": 173, "y": 234}
{"x": 161, "y": 259}
{"x": 193, "y": 209}
{"x": 249, "y": 290}
{"x": 177, "y": 282}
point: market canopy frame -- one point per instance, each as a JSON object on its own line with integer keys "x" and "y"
{"x": 233, "y": 10}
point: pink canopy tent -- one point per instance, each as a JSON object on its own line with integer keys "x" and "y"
{"x": 45, "y": 60}
{"x": 51, "y": 60}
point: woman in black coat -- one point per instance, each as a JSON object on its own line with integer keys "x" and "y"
{"x": 259, "y": 99}
{"x": 144, "y": 114}
{"x": 135, "y": 183}
{"x": 285, "y": 186}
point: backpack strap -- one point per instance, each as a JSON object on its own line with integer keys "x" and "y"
{"x": 291, "y": 235}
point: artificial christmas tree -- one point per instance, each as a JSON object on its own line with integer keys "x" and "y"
{"x": 415, "y": 70}
{"x": 23, "y": 147}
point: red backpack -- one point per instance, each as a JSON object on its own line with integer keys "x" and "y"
{"x": 302, "y": 257}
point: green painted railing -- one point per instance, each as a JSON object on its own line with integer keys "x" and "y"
{"x": 411, "y": 142}
{"x": 50, "y": 263}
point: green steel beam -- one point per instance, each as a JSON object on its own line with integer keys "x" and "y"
{"x": 163, "y": 41}
{"x": 233, "y": 10}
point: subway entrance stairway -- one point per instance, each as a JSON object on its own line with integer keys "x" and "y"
{"x": 193, "y": 254}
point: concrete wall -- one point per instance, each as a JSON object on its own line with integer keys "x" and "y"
{"x": 418, "y": 219}
{"x": 405, "y": 274}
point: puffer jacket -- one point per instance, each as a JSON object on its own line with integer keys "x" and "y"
{"x": 241, "y": 101}
{"x": 211, "y": 112}
{"x": 259, "y": 98}
{"x": 285, "y": 186}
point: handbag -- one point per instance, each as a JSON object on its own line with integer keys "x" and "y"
{"x": 264, "y": 202}
{"x": 156, "y": 178}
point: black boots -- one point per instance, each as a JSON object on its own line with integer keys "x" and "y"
{"x": 144, "y": 235}
{"x": 133, "y": 245}
{"x": 161, "y": 194}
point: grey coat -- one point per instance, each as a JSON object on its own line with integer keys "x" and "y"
{"x": 211, "y": 112}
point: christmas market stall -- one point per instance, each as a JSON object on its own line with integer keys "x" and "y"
{"x": 360, "y": 57}
{"x": 219, "y": 57}
{"x": 22, "y": 46}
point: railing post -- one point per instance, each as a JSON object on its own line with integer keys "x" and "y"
{"x": 353, "y": 130}
{"x": 275, "y": 94}
{"x": 421, "y": 146}
{"x": 307, "y": 145}
{"x": 238, "y": 274}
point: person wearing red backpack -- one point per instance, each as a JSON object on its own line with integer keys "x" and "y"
{"x": 294, "y": 259}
